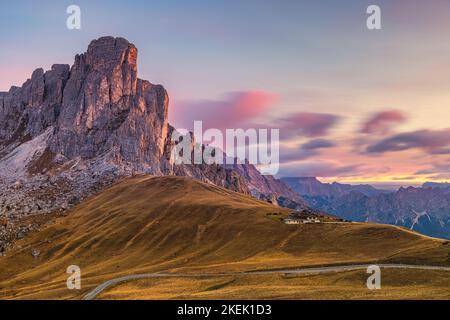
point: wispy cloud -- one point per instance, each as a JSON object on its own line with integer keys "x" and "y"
{"x": 382, "y": 122}
{"x": 427, "y": 140}
{"x": 322, "y": 169}
{"x": 308, "y": 124}
{"x": 318, "y": 144}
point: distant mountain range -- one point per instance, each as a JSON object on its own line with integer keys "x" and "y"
{"x": 425, "y": 209}
{"x": 312, "y": 187}
{"x": 443, "y": 185}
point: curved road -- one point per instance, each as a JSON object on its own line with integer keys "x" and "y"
{"x": 94, "y": 293}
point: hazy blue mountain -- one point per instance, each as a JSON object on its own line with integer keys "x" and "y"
{"x": 425, "y": 209}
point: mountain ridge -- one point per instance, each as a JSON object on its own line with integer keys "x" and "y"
{"x": 312, "y": 186}
{"x": 70, "y": 131}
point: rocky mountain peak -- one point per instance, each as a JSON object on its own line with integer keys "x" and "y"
{"x": 70, "y": 131}
{"x": 117, "y": 59}
{"x": 109, "y": 52}
{"x": 107, "y": 109}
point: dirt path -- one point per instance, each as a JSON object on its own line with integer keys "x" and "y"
{"x": 101, "y": 288}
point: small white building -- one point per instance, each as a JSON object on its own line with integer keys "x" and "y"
{"x": 293, "y": 221}
{"x": 312, "y": 220}
{"x": 301, "y": 220}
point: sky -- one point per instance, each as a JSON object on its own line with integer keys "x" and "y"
{"x": 352, "y": 104}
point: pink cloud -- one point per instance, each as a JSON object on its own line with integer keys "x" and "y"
{"x": 382, "y": 122}
{"x": 233, "y": 111}
{"x": 436, "y": 168}
{"x": 242, "y": 110}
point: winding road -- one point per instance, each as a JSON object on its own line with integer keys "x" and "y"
{"x": 94, "y": 293}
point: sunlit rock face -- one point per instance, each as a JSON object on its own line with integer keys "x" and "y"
{"x": 28, "y": 111}
{"x": 107, "y": 109}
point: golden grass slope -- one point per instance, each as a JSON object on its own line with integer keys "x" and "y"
{"x": 396, "y": 284}
{"x": 175, "y": 224}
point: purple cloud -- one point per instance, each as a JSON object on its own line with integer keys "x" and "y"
{"x": 308, "y": 124}
{"x": 318, "y": 144}
{"x": 440, "y": 151}
{"x": 288, "y": 156}
{"x": 381, "y": 123}
{"x": 305, "y": 151}
{"x": 428, "y": 140}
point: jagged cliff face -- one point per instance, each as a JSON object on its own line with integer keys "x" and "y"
{"x": 107, "y": 109}
{"x": 98, "y": 108}
{"x": 27, "y": 111}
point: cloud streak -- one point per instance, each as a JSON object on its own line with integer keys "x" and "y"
{"x": 308, "y": 124}
{"x": 382, "y": 122}
{"x": 318, "y": 144}
{"x": 427, "y": 140}
{"x": 323, "y": 169}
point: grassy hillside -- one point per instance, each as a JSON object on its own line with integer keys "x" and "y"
{"x": 152, "y": 224}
